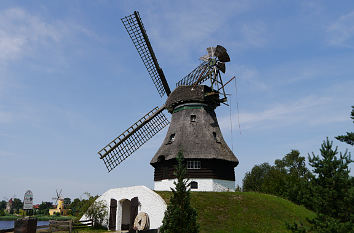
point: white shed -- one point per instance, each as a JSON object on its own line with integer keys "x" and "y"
{"x": 119, "y": 202}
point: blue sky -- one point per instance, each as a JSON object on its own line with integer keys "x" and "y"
{"x": 71, "y": 81}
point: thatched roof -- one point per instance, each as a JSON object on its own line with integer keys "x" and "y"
{"x": 199, "y": 139}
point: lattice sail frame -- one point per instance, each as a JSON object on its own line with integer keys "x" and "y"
{"x": 133, "y": 138}
{"x": 197, "y": 76}
{"x": 142, "y": 44}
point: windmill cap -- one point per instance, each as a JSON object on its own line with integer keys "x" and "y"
{"x": 192, "y": 94}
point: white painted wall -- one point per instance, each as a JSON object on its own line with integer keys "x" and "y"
{"x": 151, "y": 203}
{"x": 206, "y": 185}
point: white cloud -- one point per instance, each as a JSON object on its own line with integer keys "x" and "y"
{"x": 248, "y": 75}
{"x": 180, "y": 30}
{"x": 22, "y": 33}
{"x": 341, "y": 32}
{"x": 19, "y": 30}
{"x": 310, "y": 110}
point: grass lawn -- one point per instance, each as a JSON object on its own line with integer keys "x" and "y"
{"x": 243, "y": 212}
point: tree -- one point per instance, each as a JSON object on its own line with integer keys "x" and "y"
{"x": 332, "y": 190}
{"x": 333, "y": 186}
{"x": 97, "y": 212}
{"x": 3, "y": 205}
{"x": 80, "y": 206}
{"x": 67, "y": 202}
{"x": 349, "y": 137}
{"x": 253, "y": 181}
{"x": 17, "y": 204}
{"x": 75, "y": 207}
{"x": 44, "y": 207}
{"x": 288, "y": 178}
{"x": 297, "y": 178}
{"x": 180, "y": 217}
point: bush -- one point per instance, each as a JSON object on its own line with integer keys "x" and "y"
{"x": 97, "y": 212}
{"x": 2, "y": 212}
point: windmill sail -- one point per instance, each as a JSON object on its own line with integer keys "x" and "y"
{"x": 133, "y": 138}
{"x": 197, "y": 76}
{"x": 137, "y": 33}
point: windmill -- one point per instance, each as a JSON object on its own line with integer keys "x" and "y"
{"x": 194, "y": 128}
{"x": 58, "y": 197}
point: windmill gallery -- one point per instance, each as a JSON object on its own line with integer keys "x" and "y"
{"x": 194, "y": 130}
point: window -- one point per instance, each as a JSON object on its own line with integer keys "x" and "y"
{"x": 193, "y": 164}
{"x": 172, "y": 138}
{"x": 161, "y": 159}
{"x": 164, "y": 173}
{"x": 193, "y": 118}
{"x": 194, "y": 185}
{"x": 216, "y": 137}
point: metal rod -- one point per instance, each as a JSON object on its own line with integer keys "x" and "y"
{"x": 227, "y": 82}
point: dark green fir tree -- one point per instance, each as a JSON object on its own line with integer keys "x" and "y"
{"x": 332, "y": 190}
{"x": 180, "y": 217}
{"x": 332, "y": 182}
{"x": 349, "y": 137}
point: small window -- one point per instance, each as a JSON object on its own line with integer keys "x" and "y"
{"x": 193, "y": 118}
{"x": 172, "y": 138}
{"x": 193, "y": 164}
{"x": 161, "y": 159}
{"x": 216, "y": 137}
{"x": 194, "y": 185}
{"x": 164, "y": 173}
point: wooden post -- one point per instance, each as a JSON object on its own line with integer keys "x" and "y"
{"x": 70, "y": 225}
{"x": 25, "y": 225}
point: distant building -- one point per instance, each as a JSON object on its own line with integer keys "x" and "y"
{"x": 59, "y": 209}
{"x": 9, "y": 206}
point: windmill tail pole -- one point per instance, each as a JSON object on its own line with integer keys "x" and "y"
{"x": 129, "y": 133}
{"x": 226, "y": 83}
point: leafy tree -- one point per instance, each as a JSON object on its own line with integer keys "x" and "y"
{"x": 97, "y": 212}
{"x": 44, "y": 207}
{"x": 349, "y": 137}
{"x": 67, "y": 202}
{"x": 3, "y": 205}
{"x": 253, "y": 181}
{"x": 180, "y": 217}
{"x": 17, "y": 204}
{"x": 79, "y": 207}
{"x": 75, "y": 206}
{"x": 288, "y": 178}
{"x": 296, "y": 179}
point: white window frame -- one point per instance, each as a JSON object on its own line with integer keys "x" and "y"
{"x": 193, "y": 164}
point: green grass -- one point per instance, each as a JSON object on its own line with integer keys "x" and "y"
{"x": 244, "y": 212}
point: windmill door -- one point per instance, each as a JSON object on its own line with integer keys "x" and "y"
{"x": 112, "y": 215}
{"x": 134, "y": 204}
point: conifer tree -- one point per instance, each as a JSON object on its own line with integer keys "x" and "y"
{"x": 332, "y": 181}
{"x": 349, "y": 137}
{"x": 180, "y": 217}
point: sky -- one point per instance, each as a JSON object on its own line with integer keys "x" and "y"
{"x": 71, "y": 81}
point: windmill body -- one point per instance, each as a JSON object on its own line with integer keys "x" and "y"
{"x": 194, "y": 128}
{"x": 195, "y": 131}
